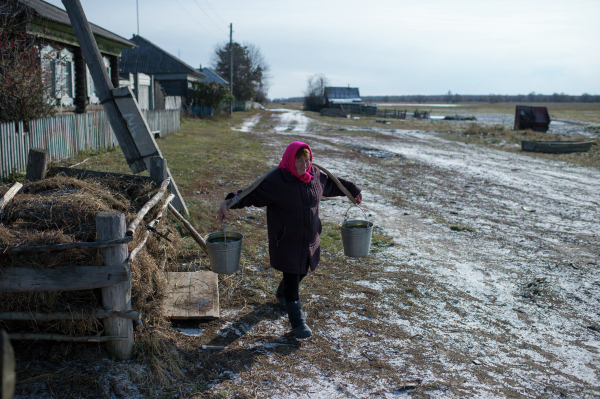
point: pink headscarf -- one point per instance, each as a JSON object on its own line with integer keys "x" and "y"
{"x": 288, "y": 160}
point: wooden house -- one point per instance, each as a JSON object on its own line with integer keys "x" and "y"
{"x": 335, "y": 96}
{"x": 72, "y": 84}
{"x": 170, "y": 78}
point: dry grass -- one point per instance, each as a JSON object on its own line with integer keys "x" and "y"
{"x": 62, "y": 209}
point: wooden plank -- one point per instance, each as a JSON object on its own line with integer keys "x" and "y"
{"x": 111, "y": 226}
{"x": 61, "y": 278}
{"x": 69, "y": 245}
{"x": 12, "y": 191}
{"x": 37, "y": 164}
{"x": 192, "y": 295}
{"x": 58, "y": 337}
{"x": 98, "y": 314}
{"x": 103, "y": 84}
{"x": 143, "y": 138}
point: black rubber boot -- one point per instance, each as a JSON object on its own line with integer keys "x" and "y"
{"x": 297, "y": 319}
{"x": 280, "y": 296}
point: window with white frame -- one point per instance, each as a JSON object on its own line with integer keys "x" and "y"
{"x": 59, "y": 74}
{"x": 91, "y": 87}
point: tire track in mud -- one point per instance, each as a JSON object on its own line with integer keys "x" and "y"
{"x": 509, "y": 308}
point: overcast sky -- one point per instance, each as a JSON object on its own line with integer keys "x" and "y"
{"x": 383, "y": 47}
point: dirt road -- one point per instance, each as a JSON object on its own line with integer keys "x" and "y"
{"x": 503, "y": 253}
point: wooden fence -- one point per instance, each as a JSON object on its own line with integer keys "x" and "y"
{"x": 66, "y": 135}
{"x": 392, "y": 113}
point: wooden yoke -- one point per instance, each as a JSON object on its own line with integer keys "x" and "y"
{"x": 130, "y": 127}
{"x": 263, "y": 177}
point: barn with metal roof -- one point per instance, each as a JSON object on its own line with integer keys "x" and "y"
{"x": 212, "y": 76}
{"x": 341, "y": 95}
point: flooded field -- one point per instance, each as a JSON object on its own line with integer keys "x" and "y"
{"x": 491, "y": 286}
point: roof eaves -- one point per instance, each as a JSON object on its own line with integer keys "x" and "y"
{"x": 59, "y": 15}
{"x": 191, "y": 69}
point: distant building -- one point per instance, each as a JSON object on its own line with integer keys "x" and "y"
{"x": 169, "y": 77}
{"x": 341, "y": 96}
{"x": 212, "y": 76}
{"x": 72, "y": 84}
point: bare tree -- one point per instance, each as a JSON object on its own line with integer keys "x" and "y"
{"x": 314, "y": 96}
{"x": 259, "y": 63}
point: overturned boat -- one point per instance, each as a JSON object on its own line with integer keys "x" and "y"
{"x": 556, "y": 147}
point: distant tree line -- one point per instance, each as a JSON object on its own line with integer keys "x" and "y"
{"x": 465, "y": 98}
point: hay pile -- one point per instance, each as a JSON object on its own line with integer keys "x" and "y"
{"x": 62, "y": 209}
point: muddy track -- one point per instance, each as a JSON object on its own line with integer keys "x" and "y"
{"x": 502, "y": 249}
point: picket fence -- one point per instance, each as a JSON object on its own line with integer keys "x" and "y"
{"x": 66, "y": 135}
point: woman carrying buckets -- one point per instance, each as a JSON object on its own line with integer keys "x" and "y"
{"x": 292, "y": 194}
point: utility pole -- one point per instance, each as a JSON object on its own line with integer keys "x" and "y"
{"x": 231, "y": 65}
{"x": 137, "y": 11}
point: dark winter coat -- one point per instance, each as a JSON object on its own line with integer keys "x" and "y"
{"x": 293, "y": 223}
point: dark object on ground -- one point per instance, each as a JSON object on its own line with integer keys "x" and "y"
{"x": 421, "y": 114}
{"x": 335, "y": 112}
{"x": 534, "y": 118}
{"x": 459, "y": 118}
{"x": 383, "y": 121}
{"x": 556, "y": 147}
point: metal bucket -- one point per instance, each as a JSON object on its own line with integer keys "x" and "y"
{"x": 224, "y": 250}
{"x": 356, "y": 235}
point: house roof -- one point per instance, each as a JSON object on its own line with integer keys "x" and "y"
{"x": 341, "y": 92}
{"x": 212, "y": 76}
{"x": 48, "y": 11}
{"x": 148, "y": 58}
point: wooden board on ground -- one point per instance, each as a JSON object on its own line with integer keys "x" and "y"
{"x": 192, "y": 295}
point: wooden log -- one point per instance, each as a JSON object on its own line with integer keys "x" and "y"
{"x": 158, "y": 170}
{"x": 188, "y": 227}
{"x": 111, "y": 226}
{"x": 337, "y": 183}
{"x": 69, "y": 245}
{"x": 149, "y": 205}
{"x": 147, "y": 233}
{"x": 57, "y": 337}
{"x": 122, "y": 110}
{"x": 251, "y": 187}
{"x": 139, "y": 247}
{"x": 9, "y": 195}
{"x": 98, "y": 314}
{"x": 37, "y": 164}
{"x": 103, "y": 84}
{"x": 7, "y": 370}
{"x": 61, "y": 278}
